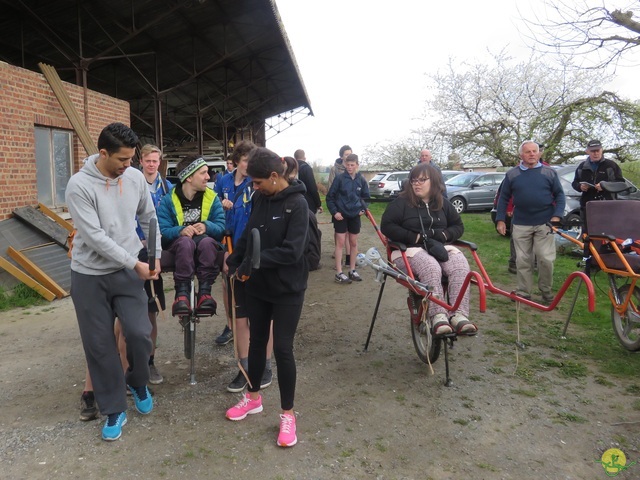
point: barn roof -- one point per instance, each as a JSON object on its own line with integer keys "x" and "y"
{"x": 206, "y": 65}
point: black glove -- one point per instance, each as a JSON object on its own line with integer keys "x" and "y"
{"x": 439, "y": 235}
{"x": 436, "y": 250}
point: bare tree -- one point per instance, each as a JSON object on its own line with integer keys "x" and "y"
{"x": 598, "y": 31}
{"x": 486, "y": 111}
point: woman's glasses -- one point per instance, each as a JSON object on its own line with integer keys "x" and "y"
{"x": 419, "y": 181}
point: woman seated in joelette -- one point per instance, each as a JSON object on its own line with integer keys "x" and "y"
{"x": 422, "y": 218}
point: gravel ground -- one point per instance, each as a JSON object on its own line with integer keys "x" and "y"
{"x": 377, "y": 414}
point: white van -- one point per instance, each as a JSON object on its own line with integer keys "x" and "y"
{"x": 217, "y": 168}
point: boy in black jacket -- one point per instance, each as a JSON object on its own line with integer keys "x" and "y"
{"x": 346, "y": 202}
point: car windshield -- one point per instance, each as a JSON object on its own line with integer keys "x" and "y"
{"x": 462, "y": 180}
{"x": 378, "y": 177}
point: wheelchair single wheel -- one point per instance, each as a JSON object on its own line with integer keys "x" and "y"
{"x": 627, "y": 326}
{"x": 189, "y": 333}
{"x": 427, "y": 347}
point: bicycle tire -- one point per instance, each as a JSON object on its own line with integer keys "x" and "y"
{"x": 427, "y": 347}
{"x": 626, "y": 329}
{"x": 188, "y": 341}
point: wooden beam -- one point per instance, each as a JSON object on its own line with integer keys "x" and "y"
{"x": 43, "y": 223}
{"x": 35, "y": 271}
{"x": 26, "y": 279}
{"x": 55, "y": 217}
{"x": 69, "y": 109}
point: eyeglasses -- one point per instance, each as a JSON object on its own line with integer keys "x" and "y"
{"x": 419, "y": 181}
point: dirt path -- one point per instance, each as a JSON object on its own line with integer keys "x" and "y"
{"x": 378, "y": 414}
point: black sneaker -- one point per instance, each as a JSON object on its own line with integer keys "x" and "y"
{"x": 88, "y": 408}
{"x": 225, "y": 337}
{"x": 342, "y": 278}
{"x": 267, "y": 378}
{"x": 355, "y": 276}
{"x": 237, "y": 384}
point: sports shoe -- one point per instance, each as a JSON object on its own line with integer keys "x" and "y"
{"x": 154, "y": 376}
{"x": 526, "y": 296}
{"x": 355, "y": 276}
{"x": 267, "y": 378}
{"x": 547, "y": 297}
{"x": 142, "y": 399}
{"x": 287, "y": 436}
{"x": 462, "y": 325}
{"x": 181, "y": 307}
{"x": 244, "y": 407}
{"x": 237, "y": 384}
{"x": 225, "y": 337}
{"x": 342, "y": 278}
{"x": 206, "y": 306}
{"x": 112, "y": 429}
{"x": 88, "y": 408}
{"x": 440, "y": 324}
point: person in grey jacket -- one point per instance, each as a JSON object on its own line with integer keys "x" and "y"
{"x": 104, "y": 199}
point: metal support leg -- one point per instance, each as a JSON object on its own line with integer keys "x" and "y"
{"x": 573, "y": 304}
{"x": 447, "y": 381}
{"x": 192, "y": 366}
{"x": 193, "y": 319}
{"x": 375, "y": 314}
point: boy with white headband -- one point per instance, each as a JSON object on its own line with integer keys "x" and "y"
{"x": 191, "y": 221}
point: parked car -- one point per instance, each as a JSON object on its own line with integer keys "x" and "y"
{"x": 571, "y": 217}
{"x": 384, "y": 183}
{"x": 449, "y": 174}
{"x": 446, "y": 175}
{"x": 473, "y": 190}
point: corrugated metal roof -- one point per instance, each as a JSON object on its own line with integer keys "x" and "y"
{"x": 227, "y": 62}
{"x": 16, "y": 234}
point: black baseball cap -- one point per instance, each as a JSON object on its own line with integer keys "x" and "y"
{"x": 594, "y": 145}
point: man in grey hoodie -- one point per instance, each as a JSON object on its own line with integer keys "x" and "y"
{"x": 104, "y": 199}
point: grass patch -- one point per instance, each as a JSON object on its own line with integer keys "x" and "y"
{"x": 571, "y": 417}
{"x": 21, "y": 297}
{"x": 524, "y": 393}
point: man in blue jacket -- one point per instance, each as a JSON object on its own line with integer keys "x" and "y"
{"x": 537, "y": 198}
{"x": 191, "y": 221}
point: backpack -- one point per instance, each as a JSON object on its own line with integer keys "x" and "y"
{"x": 313, "y": 250}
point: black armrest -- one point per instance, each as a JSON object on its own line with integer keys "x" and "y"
{"x": 397, "y": 246}
{"x": 463, "y": 243}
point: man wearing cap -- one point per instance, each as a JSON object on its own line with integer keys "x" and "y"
{"x": 191, "y": 221}
{"x": 590, "y": 173}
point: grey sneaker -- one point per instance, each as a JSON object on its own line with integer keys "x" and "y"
{"x": 237, "y": 384}
{"x": 88, "y": 408}
{"x": 548, "y": 297}
{"x": 225, "y": 337}
{"x": 154, "y": 376}
{"x": 342, "y": 278}
{"x": 267, "y": 378}
{"x": 355, "y": 276}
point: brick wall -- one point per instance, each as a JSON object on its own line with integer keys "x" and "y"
{"x": 26, "y": 101}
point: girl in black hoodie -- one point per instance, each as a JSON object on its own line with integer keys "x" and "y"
{"x": 275, "y": 291}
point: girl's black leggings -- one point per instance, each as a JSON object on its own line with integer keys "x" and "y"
{"x": 285, "y": 322}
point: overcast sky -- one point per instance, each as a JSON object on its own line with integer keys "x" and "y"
{"x": 365, "y": 63}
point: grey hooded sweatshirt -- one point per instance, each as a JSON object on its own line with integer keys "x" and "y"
{"x": 104, "y": 213}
